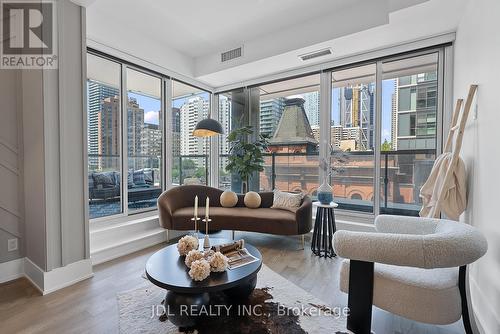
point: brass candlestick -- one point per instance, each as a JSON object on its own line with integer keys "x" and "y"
{"x": 196, "y": 230}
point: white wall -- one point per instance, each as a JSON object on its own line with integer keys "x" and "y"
{"x": 477, "y": 60}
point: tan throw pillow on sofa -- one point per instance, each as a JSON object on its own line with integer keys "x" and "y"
{"x": 252, "y": 200}
{"x": 228, "y": 199}
{"x": 286, "y": 201}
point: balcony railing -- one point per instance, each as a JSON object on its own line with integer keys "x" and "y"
{"x": 191, "y": 168}
{"x": 401, "y": 177}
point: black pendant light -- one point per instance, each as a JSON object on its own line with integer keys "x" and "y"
{"x": 207, "y": 128}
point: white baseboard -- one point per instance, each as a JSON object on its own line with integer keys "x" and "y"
{"x": 46, "y": 282}
{"x": 11, "y": 270}
{"x": 485, "y": 315}
{"x": 34, "y": 274}
{"x": 68, "y": 275}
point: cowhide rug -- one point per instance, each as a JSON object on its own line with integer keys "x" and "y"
{"x": 283, "y": 308}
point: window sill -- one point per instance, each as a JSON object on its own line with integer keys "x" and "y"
{"x": 107, "y": 222}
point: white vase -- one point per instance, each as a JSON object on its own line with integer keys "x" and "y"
{"x": 325, "y": 193}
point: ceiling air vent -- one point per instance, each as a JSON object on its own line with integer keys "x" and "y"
{"x": 316, "y": 54}
{"x": 231, "y": 54}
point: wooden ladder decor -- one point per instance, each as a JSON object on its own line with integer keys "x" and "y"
{"x": 457, "y": 146}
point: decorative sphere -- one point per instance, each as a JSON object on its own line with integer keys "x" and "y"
{"x": 252, "y": 200}
{"x": 228, "y": 199}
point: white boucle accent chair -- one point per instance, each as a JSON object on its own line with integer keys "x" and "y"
{"x": 413, "y": 267}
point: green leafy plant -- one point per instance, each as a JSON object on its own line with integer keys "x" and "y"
{"x": 245, "y": 156}
{"x": 386, "y": 146}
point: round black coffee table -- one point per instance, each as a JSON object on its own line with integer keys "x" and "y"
{"x": 186, "y": 299}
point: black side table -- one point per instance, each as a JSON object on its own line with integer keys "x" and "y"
{"x": 324, "y": 228}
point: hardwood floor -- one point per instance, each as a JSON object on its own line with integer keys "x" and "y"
{"x": 91, "y": 307}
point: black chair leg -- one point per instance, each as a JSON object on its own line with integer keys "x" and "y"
{"x": 360, "y": 298}
{"x": 462, "y": 274}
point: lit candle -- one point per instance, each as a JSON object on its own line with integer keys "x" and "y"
{"x": 206, "y": 209}
{"x": 196, "y": 207}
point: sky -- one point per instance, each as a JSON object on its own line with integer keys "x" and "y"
{"x": 387, "y": 91}
{"x": 152, "y": 106}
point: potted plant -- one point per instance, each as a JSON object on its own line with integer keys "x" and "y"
{"x": 245, "y": 155}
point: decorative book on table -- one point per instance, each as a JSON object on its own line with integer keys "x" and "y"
{"x": 236, "y": 253}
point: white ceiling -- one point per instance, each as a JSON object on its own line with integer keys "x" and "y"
{"x": 187, "y": 36}
{"x": 197, "y": 28}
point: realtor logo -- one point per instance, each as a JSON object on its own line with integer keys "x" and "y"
{"x": 28, "y": 34}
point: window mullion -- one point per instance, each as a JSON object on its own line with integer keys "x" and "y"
{"x": 167, "y": 133}
{"x": 124, "y": 141}
{"x": 441, "y": 101}
{"x": 214, "y": 144}
{"x": 378, "y": 138}
{"x": 325, "y": 115}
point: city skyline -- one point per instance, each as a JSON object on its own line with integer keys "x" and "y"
{"x": 270, "y": 114}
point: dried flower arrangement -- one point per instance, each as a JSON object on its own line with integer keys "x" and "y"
{"x": 192, "y": 256}
{"x": 200, "y": 269}
{"x": 200, "y": 263}
{"x": 218, "y": 262}
{"x": 187, "y": 244}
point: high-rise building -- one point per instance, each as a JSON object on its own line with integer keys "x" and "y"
{"x": 225, "y": 121}
{"x": 270, "y": 115}
{"x": 108, "y": 129}
{"x": 104, "y": 142}
{"x": 394, "y": 119}
{"x": 108, "y": 133}
{"x": 311, "y": 106}
{"x": 135, "y": 128}
{"x": 416, "y": 109}
{"x": 97, "y": 93}
{"x": 357, "y": 110}
{"x": 151, "y": 142}
{"x": 192, "y": 111}
{"x": 176, "y": 132}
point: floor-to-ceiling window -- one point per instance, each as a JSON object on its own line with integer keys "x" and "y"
{"x": 233, "y": 113}
{"x": 190, "y": 163}
{"x": 381, "y": 123}
{"x": 144, "y": 139}
{"x": 104, "y": 136}
{"x": 352, "y": 137}
{"x": 287, "y": 113}
{"x": 409, "y": 130}
{"x": 134, "y": 141}
{"x": 290, "y": 116}
{"x": 382, "y": 129}
{"x": 125, "y": 138}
